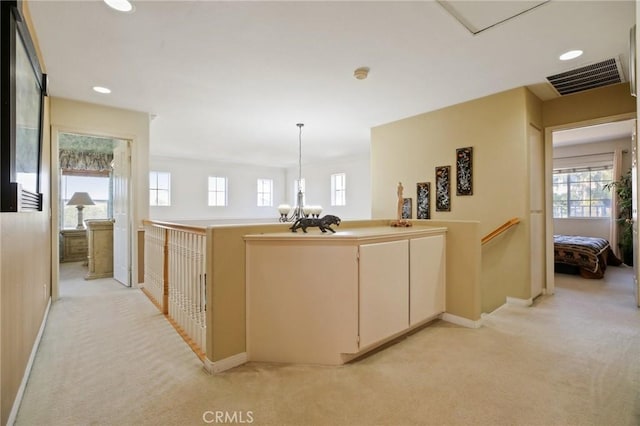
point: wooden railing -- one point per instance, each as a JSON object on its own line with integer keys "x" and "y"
{"x": 175, "y": 278}
{"x": 499, "y": 230}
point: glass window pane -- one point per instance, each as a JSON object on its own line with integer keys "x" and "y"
{"x": 163, "y": 198}
{"x": 559, "y": 178}
{"x": 579, "y": 209}
{"x": 580, "y": 191}
{"x": 579, "y": 177}
{"x": 163, "y": 180}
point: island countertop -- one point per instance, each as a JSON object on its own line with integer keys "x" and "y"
{"x": 350, "y": 234}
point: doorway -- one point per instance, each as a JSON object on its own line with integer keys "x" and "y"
{"x": 591, "y": 148}
{"x": 91, "y": 203}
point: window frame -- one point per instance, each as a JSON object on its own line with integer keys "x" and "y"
{"x": 339, "y": 195}
{"x": 216, "y": 190}
{"x": 157, "y": 189}
{"x": 261, "y": 192}
{"x": 569, "y": 204}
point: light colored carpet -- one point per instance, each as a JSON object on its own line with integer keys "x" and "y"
{"x": 108, "y": 357}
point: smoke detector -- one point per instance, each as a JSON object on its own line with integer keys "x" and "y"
{"x": 361, "y": 73}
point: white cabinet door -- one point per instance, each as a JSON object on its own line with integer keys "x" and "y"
{"x": 427, "y": 278}
{"x": 384, "y": 290}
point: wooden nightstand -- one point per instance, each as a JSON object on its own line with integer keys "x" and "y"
{"x": 73, "y": 245}
{"x": 100, "y": 236}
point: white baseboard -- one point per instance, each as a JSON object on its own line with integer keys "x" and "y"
{"x": 464, "y": 322}
{"x": 27, "y": 371}
{"x": 519, "y": 302}
{"x": 225, "y": 364}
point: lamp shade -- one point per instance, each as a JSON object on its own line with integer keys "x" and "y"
{"x": 80, "y": 199}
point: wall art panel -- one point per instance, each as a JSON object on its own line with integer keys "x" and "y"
{"x": 464, "y": 171}
{"x": 423, "y": 200}
{"x": 443, "y": 189}
{"x": 406, "y": 208}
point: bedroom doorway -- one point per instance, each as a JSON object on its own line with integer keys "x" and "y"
{"x": 98, "y": 167}
{"x": 580, "y": 160}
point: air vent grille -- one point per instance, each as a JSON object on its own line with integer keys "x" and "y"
{"x": 588, "y": 77}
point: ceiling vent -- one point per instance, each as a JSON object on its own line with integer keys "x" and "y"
{"x": 588, "y": 77}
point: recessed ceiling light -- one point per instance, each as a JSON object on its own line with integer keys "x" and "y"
{"x": 100, "y": 89}
{"x": 120, "y": 5}
{"x": 572, "y": 54}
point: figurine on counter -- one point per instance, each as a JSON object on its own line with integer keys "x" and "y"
{"x": 400, "y": 222}
{"x": 324, "y": 223}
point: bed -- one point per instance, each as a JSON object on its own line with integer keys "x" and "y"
{"x": 588, "y": 256}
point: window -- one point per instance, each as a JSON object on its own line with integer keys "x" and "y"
{"x": 581, "y": 193}
{"x": 265, "y": 192}
{"x": 21, "y": 113}
{"x": 338, "y": 189}
{"x": 159, "y": 189}
{"x": 295, "y": 191}
{"x": 217, "y": 191}
{"x": 98, "y": 189}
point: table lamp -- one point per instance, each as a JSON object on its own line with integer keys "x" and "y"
{"x": 80, "y": 199}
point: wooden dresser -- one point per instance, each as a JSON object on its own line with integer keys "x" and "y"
{"x": 73, "y": 245}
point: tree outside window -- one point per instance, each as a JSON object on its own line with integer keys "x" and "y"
{"x": 99, "y": 190}
{"x": 582, "y": 193}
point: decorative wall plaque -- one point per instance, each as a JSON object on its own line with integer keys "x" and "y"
{"x": 423, "y": 203}
{"x": 464, "y": 171}
{"x": 443, "y": 189}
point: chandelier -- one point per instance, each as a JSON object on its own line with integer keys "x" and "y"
{"x": 287, "y": 214}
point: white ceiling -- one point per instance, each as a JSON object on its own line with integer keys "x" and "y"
{"x": 228, "y": 81}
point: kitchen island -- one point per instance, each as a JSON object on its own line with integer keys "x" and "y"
{"x": 329, "y": 298}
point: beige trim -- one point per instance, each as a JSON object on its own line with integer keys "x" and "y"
{"x": 464, "y": 322}
{"x": 519, "y": 302}
{"x": 225, "y": 364}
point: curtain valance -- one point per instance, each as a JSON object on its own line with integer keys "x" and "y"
{"x": 78, "y": 161}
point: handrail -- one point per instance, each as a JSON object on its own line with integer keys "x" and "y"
{"x": 178, "y": 226}
{"x": 499, "y": 230}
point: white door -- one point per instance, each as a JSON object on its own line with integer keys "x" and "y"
{"x": 536, "y": 210}
{"x": 121, "y": 234}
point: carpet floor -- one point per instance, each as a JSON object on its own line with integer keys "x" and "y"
{"x": 108, "y": 357}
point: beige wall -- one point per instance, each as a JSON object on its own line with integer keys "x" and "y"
{"x": 593, "y": 104}
{"x": 25, "y": 281}
{"x": 496, "y": 126}
{"x": 80, "y": 117}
